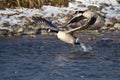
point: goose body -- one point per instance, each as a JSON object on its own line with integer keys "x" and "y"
{"x": 95, "y": 20}
{"x": 98, "y": 23}
{"x": 66, "y": 37}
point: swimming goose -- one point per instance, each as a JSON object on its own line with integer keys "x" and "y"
{"x": 65, "y": 35}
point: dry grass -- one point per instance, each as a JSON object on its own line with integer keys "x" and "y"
{"x": 31, "y": 3}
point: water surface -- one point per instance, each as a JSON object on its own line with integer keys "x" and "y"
{"x": 47, "y": 58}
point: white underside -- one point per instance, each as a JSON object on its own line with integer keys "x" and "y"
{"x": 66, "y": 37}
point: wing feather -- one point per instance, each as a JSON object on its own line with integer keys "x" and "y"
{"x": 76, "y": 19}
{"x": 46, "y": 23}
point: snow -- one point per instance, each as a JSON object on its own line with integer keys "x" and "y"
{"x": 48, "y": 11}
{"x": 96, "y": 2}
{"x": 75, "y": 6}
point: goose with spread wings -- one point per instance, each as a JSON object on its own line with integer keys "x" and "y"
{"x": 95, "y": 20}
{"x": 63, "y": 35}
{"x": 67, "y": 35}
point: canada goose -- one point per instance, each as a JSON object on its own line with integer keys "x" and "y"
{"x": 65, "y": 35}
{"x": 95, "y": 20}
{"x": 80, "y": 15}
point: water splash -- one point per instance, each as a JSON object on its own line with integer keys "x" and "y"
{"x": 85, "y": 48}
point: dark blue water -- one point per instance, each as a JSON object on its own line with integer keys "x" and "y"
{"x": 47, "y": 58}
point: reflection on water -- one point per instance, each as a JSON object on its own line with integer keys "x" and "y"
{"x": 47, "y": 58}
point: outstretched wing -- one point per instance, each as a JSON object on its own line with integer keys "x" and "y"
{"x": 45, "y": 22}
{"x": 90, "y": 22}
{"x": 76, "y": 19}
{"x": 85, "y": 26}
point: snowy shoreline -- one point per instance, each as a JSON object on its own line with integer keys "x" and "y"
{"x": 19, "y": 21}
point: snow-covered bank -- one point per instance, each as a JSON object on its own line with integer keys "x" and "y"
{"x": 19, "y": 21}
{"x": 98, "y": 2}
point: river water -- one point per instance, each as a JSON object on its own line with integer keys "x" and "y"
{"x": 47, "y": 58}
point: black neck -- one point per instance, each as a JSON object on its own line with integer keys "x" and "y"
{"x": 56, "y": 31}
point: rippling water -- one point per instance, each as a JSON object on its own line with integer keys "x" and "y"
{"x": 47, "y": 58}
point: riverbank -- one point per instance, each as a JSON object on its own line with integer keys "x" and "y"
{"x": 19, "y": 22}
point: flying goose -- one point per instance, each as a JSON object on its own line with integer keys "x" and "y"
{"x": 96, "y": 22}
{"x": 65, "y": 36}
{"x": 95, "y": 19}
